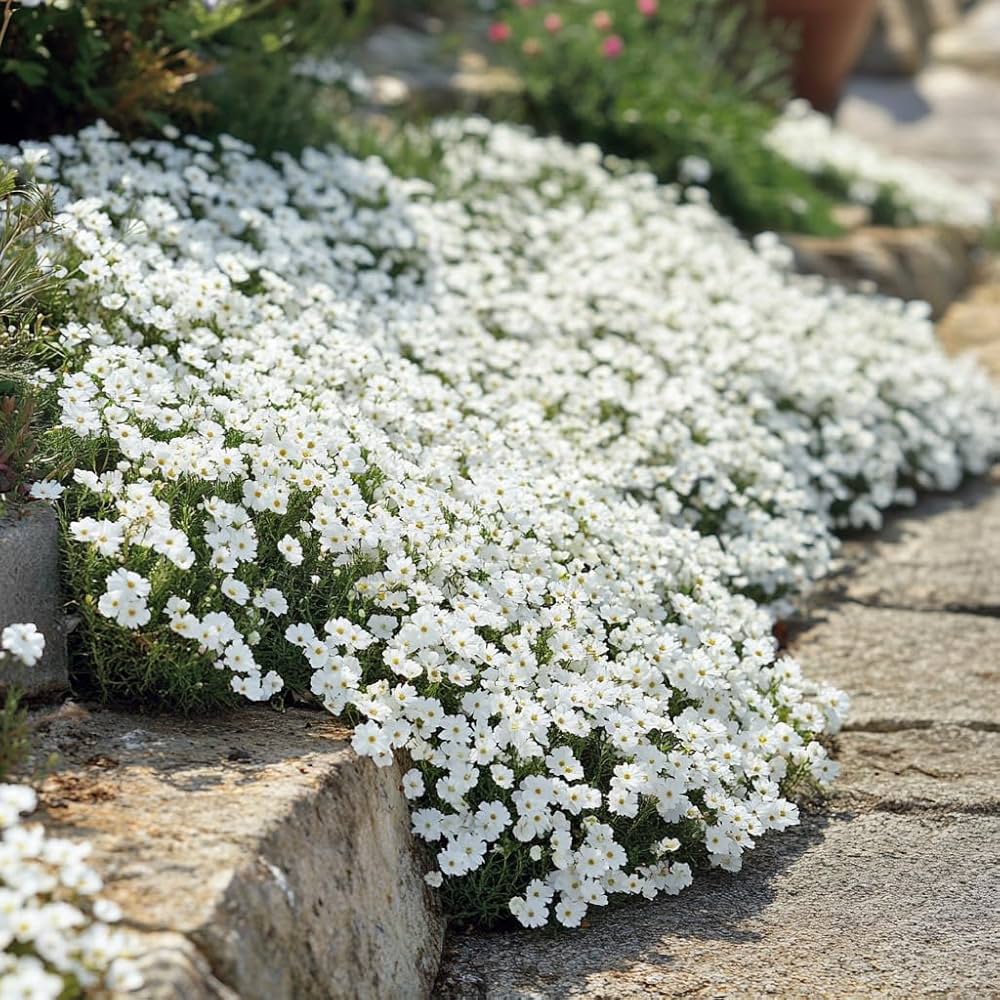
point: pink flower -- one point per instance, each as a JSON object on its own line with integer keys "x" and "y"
{"x": 647, "y": 7}
{"x": 499, "y": 32}
{"x": 601, "y": 20}
{"x": 612, "y": 46}
{"x": 552, "y": 23}
{"x": 526, "y": 3}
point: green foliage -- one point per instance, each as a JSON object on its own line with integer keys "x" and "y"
{"x": 18, "y": 447}
{"x": 408, "y": 150}
{"x": 30, "y": 286}
{"x": 25, "y": 280}
{"x": 255, "y": 93}
{"x": 140, "y": 64}
{"x": 690, "y": 78}
{"x": 14, "y": 735}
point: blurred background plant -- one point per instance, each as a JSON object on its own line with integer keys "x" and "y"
{"x": 689, "y": 87}
{"x": 15, "y": 744}
{"x": 220, "y": 65}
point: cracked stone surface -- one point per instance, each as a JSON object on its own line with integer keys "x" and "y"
{"x": 262, "y": 859}
{"x": 906, "y": 669}
{"x": 953, "y": 768}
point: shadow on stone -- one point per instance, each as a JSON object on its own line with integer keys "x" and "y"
{"x": 717, "y": 907}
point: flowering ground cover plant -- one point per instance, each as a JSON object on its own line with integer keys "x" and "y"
{"x": 512, "y": 469}
{"x": 897, "y": 190}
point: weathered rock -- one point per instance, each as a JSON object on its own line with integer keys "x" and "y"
{"x": 858, "y": 904}
{"x": 906, "y": 669}
{"x": 943, "y": 555}
{"x": 930, "y": 263}
{"x": 29, "y": 592}
{"x": 951, "y": 768}
{"x": 284, "y": 861}
{"x": 173, "y": 969}
{"x": 972, "y": 325}
{"x": 974, "y": 42}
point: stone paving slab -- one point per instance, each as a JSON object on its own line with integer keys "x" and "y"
{"x": 851, "y": 905}
{"x": 261, "y": 856}
{"x": 946, "y": 118}
{"x": 943, "y": 555}
{"x": 954, "y": 768}
{"x": 906, "y": 669}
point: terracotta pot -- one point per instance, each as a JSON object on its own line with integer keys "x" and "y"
{"x": 832, "y": 35}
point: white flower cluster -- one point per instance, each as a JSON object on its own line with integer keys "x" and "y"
{"x": 813, "y": 143}
{"x": 331, "y": 70}
{"x": 22, "y": 641}
{"x": 55, "y": 933}
{"x": 503, "y": 466}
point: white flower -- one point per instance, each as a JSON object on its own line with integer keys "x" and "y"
{"x": 48, "y": 908}
{"x": 812, "y": 142}
{"x": 291, "y": 549}
{"x": 46, "y": 489}
{"x": 24, "y": 642}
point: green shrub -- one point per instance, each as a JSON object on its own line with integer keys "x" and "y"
{"x": 139, "y": 64}
{"x": 676, "y": 85}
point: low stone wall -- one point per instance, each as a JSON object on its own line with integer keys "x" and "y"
{"x": 256, "y": 854}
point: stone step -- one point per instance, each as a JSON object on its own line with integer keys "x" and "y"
{"x": 258, "y": 855}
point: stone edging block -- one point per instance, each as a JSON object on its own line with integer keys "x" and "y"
{"x": 257, "y": 854}
{"x": 30, "y": 592}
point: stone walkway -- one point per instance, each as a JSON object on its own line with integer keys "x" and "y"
{"x": 893, "y": 887}
{"x": 948, "y": 116}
